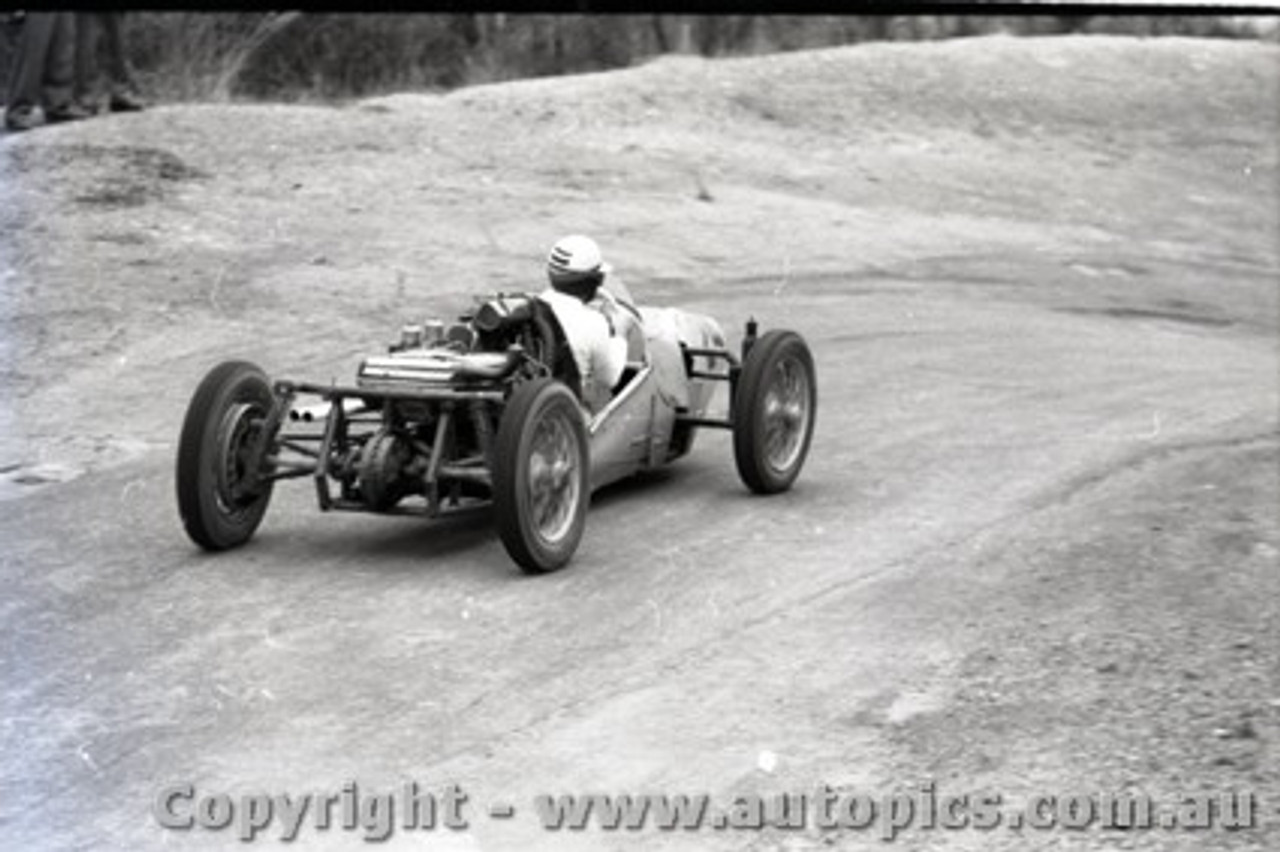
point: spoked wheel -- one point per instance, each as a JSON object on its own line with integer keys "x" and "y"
{"x": 540, "y": 482}
{"x": 773, "y": 412}
{"x": 220, "y": 495}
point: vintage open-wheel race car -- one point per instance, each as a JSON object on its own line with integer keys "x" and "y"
{"x": 489, "y": 408}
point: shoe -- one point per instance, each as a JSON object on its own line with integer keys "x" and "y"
{"x": 19, "y": 119}
{"x": 70, "y": 112}
{"x": 126, "y": 102}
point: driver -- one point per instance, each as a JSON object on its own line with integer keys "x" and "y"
{"x": 596, "y": 313}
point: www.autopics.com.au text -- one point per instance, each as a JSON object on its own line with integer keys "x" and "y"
{"x": 377, "y": 816}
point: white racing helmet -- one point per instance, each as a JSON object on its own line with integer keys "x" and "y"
{"x": 576, "y": 267}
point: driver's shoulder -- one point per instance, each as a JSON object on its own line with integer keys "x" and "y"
{"x": 572, "y": 314}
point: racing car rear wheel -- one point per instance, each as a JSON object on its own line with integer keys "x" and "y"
{"x": 220, "y": 497}
{"x": 773, "y": 412}
{"x": 540, "y": 483}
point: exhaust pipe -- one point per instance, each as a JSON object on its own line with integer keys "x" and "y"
{"x": 319, "y": 411}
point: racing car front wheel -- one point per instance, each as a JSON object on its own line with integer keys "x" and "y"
{"x": 540, "y": 483}
{"x": 774, "y": 407}
{"x": 220, "y": 496}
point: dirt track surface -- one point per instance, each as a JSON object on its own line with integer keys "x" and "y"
{"x": 1035, "y": 549}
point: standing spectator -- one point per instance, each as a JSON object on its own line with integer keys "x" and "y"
{"x": 93, "y": 29}
{"x": 43, "y": 71}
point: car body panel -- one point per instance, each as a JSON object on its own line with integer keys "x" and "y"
{"x": 622, "y": 434}
{"x": 633, "y": 432}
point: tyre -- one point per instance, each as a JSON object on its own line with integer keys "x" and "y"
{"x": 220, "y": 498}
{"x": 540, "y": 476}
{"x": 774, "y": 409}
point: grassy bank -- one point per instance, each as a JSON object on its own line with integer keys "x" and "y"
{"x": 184, "y": 56}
